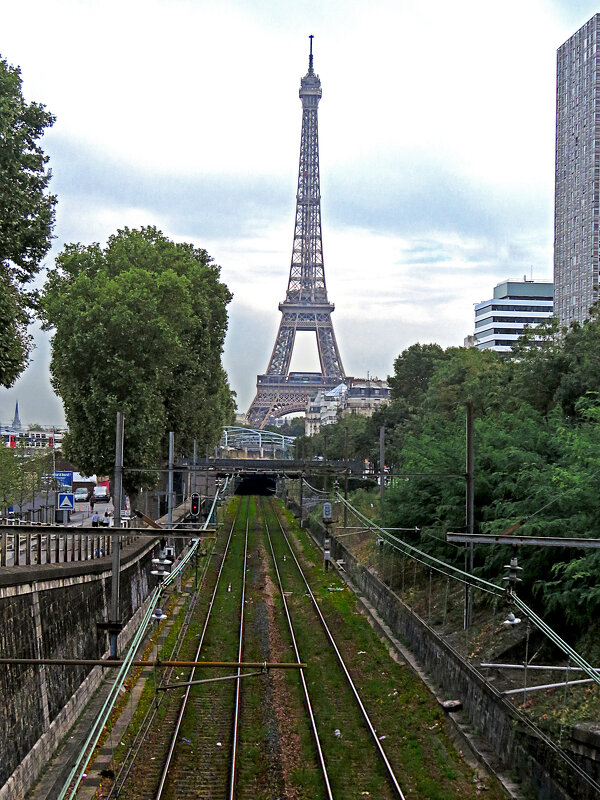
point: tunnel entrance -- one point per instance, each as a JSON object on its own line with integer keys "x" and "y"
{"x": 256, "y": 484}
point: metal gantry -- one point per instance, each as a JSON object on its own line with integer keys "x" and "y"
{"x": 306, "y": 306}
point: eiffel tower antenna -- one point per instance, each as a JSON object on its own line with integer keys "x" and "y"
{"x": 306, "y": 307}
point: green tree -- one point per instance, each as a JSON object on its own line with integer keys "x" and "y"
{"x": 581, "y": 356}
{"x": 413, "y": 370}
{"x": 468, "y": 374}
{"x": 26, "y": 217}
{"x": 291, "y": 427}
{"x": 538, "y": 364}
{"x": 9, "y": 477}
{"x": 139, "y": 327}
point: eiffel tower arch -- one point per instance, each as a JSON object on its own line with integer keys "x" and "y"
{"x": 306, "y": 307}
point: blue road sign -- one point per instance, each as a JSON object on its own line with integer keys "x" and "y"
{"x": 64, "y": 479}
{"x": 65, "y": 502}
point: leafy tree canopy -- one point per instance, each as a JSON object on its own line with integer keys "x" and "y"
{"x": 413, "y": 370}
{"x": 537, "y": 427}
{"x": 139, "y": 327}
{"x": 26, "y": 216}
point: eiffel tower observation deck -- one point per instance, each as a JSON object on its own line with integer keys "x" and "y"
{"x": 306, "y": 306}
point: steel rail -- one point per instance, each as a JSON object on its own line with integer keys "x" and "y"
{"x": 73, "y": 780}
{"x": 126, "y": 765}
{"x": 329, "y": 635}
{"x": 309, "y": 709}
{"x": 184, "y": 699}
{"x": 238, "y": 683}
{"x": 108, "y": 662}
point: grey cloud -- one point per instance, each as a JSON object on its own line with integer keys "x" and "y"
{"x": 209, "y": 206}
{"x": 448, "y": 226}
{"x": 402, "y": 198}
{"x": 419, "y": 197}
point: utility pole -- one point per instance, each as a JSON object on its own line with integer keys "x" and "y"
{"x": 170, "y": 486}
{"x": 469, "y": 511}
{"x": 381, "y": 460}
{"x": 195, "y": 464}
{"x": 301, "y": 498}
{"x": 345, "y": 475}
{"x": 116, "y": 543}
{"x": 325, "y": 462}
{"x": 54, "y": 474}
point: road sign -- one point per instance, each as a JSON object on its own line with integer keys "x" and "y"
{"x": 65, "y": 502}
{"x": 64, "y": 479}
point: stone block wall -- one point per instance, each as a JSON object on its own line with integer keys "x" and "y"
{"x": 51, "y": 611}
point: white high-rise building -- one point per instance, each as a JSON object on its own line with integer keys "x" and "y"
{"x": 500, "y": 321}
{"x": 577, "y": 181}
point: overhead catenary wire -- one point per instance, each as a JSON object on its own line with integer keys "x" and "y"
{"x": 450, "y": 571}
{"x": 314, "y": 489}
{"x": 69, "y": 789}
{"x": 537, "y": 621}
{"x": 425, "y": 558}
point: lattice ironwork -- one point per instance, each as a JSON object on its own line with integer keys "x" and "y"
{"x": 306, "y": 307}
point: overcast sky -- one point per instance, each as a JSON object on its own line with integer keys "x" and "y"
{"x": 436, "y": 153}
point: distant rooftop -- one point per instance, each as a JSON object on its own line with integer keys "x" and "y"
{"x": 524, "y": 289}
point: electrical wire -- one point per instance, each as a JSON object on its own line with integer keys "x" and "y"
{"x": 482, "y": 584}
{"x": 89, "y": 746}
{"x": 414, "y": 552}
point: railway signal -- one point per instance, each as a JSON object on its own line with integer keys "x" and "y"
{"x": 327, "y": 520}
{"x": 195, "y": 505}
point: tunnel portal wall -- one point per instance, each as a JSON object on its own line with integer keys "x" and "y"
{"x": 256, "y": 484}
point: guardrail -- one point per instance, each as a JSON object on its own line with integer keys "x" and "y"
{"x": 54, "y": 545}
{"x": 25, "y": 543}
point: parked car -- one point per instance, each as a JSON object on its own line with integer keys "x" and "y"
{"x": 101, "y": 494}
{"x": 81, "y": 495}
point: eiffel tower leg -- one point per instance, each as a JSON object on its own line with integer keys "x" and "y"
{"x": 281, "y": 356}
{"x": 329, "y": 355}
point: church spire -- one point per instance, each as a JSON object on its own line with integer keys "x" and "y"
{"x": 16, "y": 421}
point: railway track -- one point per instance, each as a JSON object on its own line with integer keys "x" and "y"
{"x": 226, "y": 734}
{"x": 202, "y": 755}
{"x": 341, "y": 762}
{"x": 155, "y": 766}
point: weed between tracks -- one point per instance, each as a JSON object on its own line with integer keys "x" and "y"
{"x": 148, "y": 696}
{"x": 276, "y": 752}
{"x": 413, "y": 729}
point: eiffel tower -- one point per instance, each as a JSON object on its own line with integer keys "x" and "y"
{"x": 306, "y": 307}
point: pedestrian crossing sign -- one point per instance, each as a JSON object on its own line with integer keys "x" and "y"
{"x": 65, "y": 501}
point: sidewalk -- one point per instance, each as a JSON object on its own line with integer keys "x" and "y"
{"x": 82, "y": 516}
